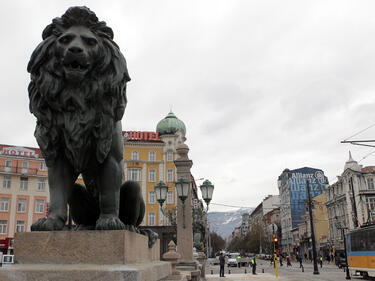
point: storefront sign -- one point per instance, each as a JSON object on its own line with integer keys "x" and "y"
{"x": 142, "y": 136}
{"x": 19, "y": 151}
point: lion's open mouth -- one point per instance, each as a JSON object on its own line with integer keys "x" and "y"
{"x": 76, "y": 66}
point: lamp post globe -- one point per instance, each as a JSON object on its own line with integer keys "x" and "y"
{"x": 182, "y": 188}
{"x": 161, "y": 190}
{"x": 207, "y": 189}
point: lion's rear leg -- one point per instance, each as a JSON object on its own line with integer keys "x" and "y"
{"x": 132, "y": 205}
{"x": 84, "y": 208}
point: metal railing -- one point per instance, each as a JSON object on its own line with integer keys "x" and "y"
{"x": 21, "y": 170}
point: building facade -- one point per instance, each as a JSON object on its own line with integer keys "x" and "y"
{"x": 245, "y": 224}
{"x": 350, "y": 201}
{"x": 293, "y": 195}
{"x": 24, "y": 190}
{"x": 320, "y": 220}
{"x": 148, "y": 160}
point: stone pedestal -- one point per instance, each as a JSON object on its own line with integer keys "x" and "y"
{"x": 184, "y": 234}
{"x": 85, "y": 255}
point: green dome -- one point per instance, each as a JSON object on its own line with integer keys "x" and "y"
{"x": 170, "y": 125}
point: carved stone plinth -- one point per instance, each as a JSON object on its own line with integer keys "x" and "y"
{"x": 85, "y": 255}
{"x": 172, "y": 256}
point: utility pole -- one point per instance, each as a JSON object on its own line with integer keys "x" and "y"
{"x": 316, "y": 271}
{"x": 354, "y": 204}
{"x": 346, "y": 256}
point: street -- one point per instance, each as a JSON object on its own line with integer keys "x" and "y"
{"x": 329, "y": 272}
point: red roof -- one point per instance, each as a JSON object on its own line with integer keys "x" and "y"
{"x": 368, "y": 169}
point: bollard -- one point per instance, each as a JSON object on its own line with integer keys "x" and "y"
{"x": 262, "y": 270}
{"x": 245, "y": 271}
{"x": 212, "y": 272}
{"x": 228, "y": 271}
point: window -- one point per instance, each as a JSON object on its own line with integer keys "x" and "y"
{"x": 170, "y": 175}
{"x": 7, "y": 181}
{"x": 23, "y": 183}
{"x": 151, "y": 175}
{"x": 134, "y": 155}
{"x": 151, "y": 197}
{"x": 39, "y": 206}
{"x": 25, "y": 166}
{"x": 370, "y": 183}
{"x": 20, "y": 226}
{"x": 3, "y": 226}
{"x": 134, "y": 174}
{"x": 169, "y": 156}
{"x": 41, "y": 184}
{"x": 4, "y": 205}
{"x": 152, "y": 156}
{"x": 21, "y": 205}
{"x": 170, "y": 197}
{"x": 151, "y": 218}
{"x": 371, "y": 207}
{"x": 42, "y": 166}
{"x": 8, "y": 165}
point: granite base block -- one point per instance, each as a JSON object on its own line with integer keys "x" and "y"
{"x": 91, "y": 247}
{"x": 152, "y": 271}
{"x": 85, "y": 255}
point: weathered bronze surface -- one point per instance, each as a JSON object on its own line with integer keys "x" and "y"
{"x": 78, "y": 95}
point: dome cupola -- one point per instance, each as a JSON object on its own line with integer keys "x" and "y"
{"x": 170, "y": 125}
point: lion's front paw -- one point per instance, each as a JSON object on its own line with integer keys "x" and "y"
{"x": 47, "y": 224}
{"x": 109, "y": 223}
{"x": 130, "y": 228}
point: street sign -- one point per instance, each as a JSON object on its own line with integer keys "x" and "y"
{"x": 272, "y": 228}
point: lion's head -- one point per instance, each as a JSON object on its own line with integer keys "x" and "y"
{"x": 78, "y": 86}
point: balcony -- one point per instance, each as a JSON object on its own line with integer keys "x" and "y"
{"x": 22, "y": 171}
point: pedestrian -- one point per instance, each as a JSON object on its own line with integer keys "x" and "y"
{"x": 288, "y": 261}
{"x": 281, "y": 260}
{"x": 321, "y": 261}
{"x": 222, "y": 264}
{"x": 254, "y": 265}
{"x": 300, "y": 261}
{"x": 305, "y": 256}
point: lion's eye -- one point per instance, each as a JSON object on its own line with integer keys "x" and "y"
{"x": 91, "y": 41}
{"x": 65, "y": 39}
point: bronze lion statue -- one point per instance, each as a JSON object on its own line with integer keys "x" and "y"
{"x": 78, "y": 95}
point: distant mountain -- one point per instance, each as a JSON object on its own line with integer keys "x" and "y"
{"x": 223, "y": 223}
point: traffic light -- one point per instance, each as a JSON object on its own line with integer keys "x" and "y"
{"x": 275, "y": 242}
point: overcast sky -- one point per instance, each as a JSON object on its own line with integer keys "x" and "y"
{"x": 260, "y": 85}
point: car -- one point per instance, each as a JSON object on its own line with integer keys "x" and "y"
{"x": 232, "y": 259}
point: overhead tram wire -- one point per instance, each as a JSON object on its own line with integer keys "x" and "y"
{"x": 361, "y": 131}
{"x": 360, "y": 142}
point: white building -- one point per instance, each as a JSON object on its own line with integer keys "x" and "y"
{"x": 350, "y": 200}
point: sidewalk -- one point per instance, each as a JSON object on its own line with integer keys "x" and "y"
{"x": 239, "y": 277}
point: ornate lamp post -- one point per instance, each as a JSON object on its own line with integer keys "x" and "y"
{"x": 183, "y": 188}
{"x": 161, "y": 190}
{"x": 207, "y": 189}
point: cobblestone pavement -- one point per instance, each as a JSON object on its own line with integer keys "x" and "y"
{"x": 329, "y": 272}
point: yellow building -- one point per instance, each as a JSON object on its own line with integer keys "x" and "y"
{"x": 320, "y": 219}
{"x": 147, "y": 161}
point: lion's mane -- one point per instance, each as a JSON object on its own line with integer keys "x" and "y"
{"x": 77, "y": 120}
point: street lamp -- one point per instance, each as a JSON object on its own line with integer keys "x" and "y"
{"x": 183, "y": 188}
{"x": 161, "y": 190}
{"x": 207, "y": 189}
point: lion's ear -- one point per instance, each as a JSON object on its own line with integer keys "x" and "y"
{"x": 47, "y": 32}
